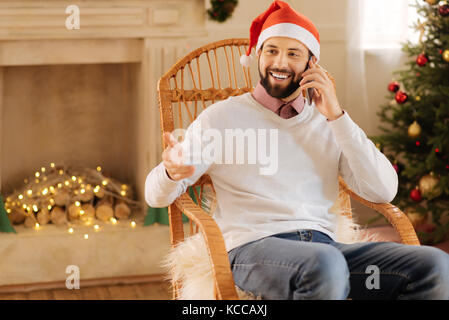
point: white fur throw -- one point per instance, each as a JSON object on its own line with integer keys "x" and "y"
{"x": 189, "y": 261}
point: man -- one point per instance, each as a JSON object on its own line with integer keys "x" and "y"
{"x": 278, "y": 226}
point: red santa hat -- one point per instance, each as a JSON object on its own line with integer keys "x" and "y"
{"x": 281, "y": 20}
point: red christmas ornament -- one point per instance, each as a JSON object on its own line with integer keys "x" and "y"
{"x": 401, "y": 97}
{"x": 440, "y": 51}
{"x": 422, "y": 60}
{"x": 417, "y": 143}
{"x": 443, "y": 10}
{"x": 437, "y": 150}
{"x": 415, "y": 195}
{"x": 393, "y": 86}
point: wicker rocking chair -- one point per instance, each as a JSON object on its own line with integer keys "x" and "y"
{"x": 208, "y": 74}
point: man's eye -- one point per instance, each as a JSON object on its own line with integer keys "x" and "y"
{"x": 271, "y": 51}
{"x": 292, "y": 54}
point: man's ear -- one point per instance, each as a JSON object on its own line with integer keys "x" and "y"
{"x": 314, "y": 59}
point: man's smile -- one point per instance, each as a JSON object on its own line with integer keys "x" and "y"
{"x": 279, "y": 76}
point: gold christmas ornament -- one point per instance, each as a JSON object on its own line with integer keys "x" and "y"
{"x": 428, "y": 186}
{"x": 431, "y": 2}
{"x": 414, "y": 130}
{"x": 416, "y": 218}
{"x": 446, "y": 55}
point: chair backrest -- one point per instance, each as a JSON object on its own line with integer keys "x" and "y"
{"x": 204, "y": 76}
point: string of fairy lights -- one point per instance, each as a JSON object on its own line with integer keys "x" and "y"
{"x": 69, "y": 193}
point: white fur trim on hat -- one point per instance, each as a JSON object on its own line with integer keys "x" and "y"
{"x": 291, "y": 30}
{"x": 246, "y": 60}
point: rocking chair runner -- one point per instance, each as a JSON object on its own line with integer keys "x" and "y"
{"x": 206, "y": 75}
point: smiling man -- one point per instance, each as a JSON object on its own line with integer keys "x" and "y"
{"x": 279, "y": 229}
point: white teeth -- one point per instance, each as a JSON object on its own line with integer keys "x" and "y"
{"x": 279, "y": 76}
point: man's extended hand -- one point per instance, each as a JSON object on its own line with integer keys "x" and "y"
{"x": 172, "y": 158}
{"x": 325, "y": 97}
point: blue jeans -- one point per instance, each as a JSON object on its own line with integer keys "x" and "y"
{"x": 307, "y": 264}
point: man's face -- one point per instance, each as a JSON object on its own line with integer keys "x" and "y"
{"x": 281, "y": 63}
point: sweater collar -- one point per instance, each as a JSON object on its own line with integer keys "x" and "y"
{"x": 261, "y": 95}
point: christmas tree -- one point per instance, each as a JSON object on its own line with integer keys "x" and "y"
{"x": 5, "y": 225}
{"x": 415, "y": 125}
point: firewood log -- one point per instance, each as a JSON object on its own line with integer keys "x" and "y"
{"x": 58, "y": 216}
{"x": 74, "y": 212}
{"x": 30, "y": 220}
{"x": 104, "y": 208}
{"x": 89, "y": 212}
{"x": 17, "y": 216}
{"x": 43, "y": 216}
{"x": 121, "y": 210}
{"x": 62, "y": 197}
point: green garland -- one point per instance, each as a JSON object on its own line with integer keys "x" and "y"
{"x": 221, "y": 9}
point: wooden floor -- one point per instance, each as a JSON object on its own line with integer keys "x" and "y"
{"x": 142, "y": 291}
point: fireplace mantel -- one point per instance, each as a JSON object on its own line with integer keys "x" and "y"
{"x": 29, "y": 20}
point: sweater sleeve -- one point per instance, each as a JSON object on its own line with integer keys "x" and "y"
{"x": 160, "y": 190}
{"x": 365, "y": 169}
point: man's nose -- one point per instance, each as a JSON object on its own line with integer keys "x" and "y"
{"x": 280, "y": 61}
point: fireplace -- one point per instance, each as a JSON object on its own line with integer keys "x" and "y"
{"x": 87, "y": 97}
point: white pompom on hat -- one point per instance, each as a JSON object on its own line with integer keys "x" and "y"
{"x": 281, "y": 20}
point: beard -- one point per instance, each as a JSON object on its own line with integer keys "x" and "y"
{"x": 276, "y": 90}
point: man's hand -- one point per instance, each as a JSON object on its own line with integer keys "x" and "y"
{"x": 173, "y": 159}
{"x": 324, "y": 96}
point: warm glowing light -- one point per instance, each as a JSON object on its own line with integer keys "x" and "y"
{"x": 52, "y": 201}
{"x": 86, "y": 236}
{"x": 77, "y": 203}
{"x": 59, "y": 185}
{"x": 52, "y": 164}
{"x": 30, "y": 192}
{"x": 83, "y": 191}
{"x": 98, "y": 168}
{"x": 36, "y": 226}
{"x": 20, "y": 196}
{"x": 52, "y": 189}
{"x": 114, "y": 220}
{"x": 61, "y": 172}
{"x": 81, "y": 212}
{"x": 24, "y": 206}
{"x": 73, "y": 178}
{"x": 133, "y": 224}
{"x": 70, "y": 230}
{"x": 43, "y": 169}
{"x": 96, "y": 227}
{"x": 37, "y": 174}
{"x": 124, "y": 187}
{"x": 35, "y": 208}
{"x": 104, "y": 182}
{"x": 96, "y": 189}
{"x": 49, "y": 207}
{"x": 45, "y": 191}
{"x": 123, "y": 193}
{"x": 66, "y": 182}
{"x": 8, "y": 210}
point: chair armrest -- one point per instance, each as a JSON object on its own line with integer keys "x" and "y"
{"x": 224, "y": 282}
{"x": 394, "y": 215}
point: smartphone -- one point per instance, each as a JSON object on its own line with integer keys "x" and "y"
{"x": 309, "y": 92}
